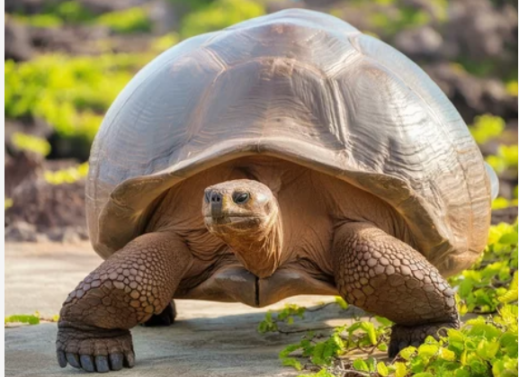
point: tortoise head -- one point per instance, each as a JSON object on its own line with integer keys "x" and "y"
{"x": 245, "y": 215}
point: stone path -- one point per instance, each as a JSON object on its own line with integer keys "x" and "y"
{"x": 208, "y": 339}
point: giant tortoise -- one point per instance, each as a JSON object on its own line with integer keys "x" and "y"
{"x": 288, "y": 154}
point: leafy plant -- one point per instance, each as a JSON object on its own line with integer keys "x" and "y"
{"x": 31, "y": 143}
{"x": 287, "y": 314}
{"x": 511, "y": 88}
{"x": 130, "y": 20}
{"x": 218, "y": 15}
{"x": 70, "y": 93}
{"x": 69, "y": 175}
{"x": 505, "y": 159}
{"x": 165, "y": 42}
{"x": 8, "y": 203}
{"x": 481, "y": 347}
{"x": 31, "y": 319}
{"x": 500, "y": 202}
{"x": 23, "y": 318}
{"x": 487, "y": 127}
{"x": 493, "y": 279}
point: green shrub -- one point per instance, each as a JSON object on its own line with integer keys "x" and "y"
{"x": 511, "y": 88}
{"x": 481, "y": 347}
{"x": 58, "y": 14}
{"x": 487, "y": 127}
{"x": 31, "y": 143}
{"x": 40, "y": 20}
{"x": 69, "y": 175}
{"x": 132, "y": 20}
{"x": 506, "y": 158}
{"x": 8, "y": 203}
{"x": 23, "y": 318}
{"x": 218, "y": 15}
{"x": 70, "y": 93}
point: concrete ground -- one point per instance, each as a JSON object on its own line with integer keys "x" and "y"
{"x": 208, "y": 338}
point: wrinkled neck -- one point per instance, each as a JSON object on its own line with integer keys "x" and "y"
{"x": 259, "y": 249}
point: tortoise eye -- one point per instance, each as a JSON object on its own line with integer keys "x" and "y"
{"x": 240, "y": 197}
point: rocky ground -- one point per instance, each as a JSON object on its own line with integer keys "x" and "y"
{"x": 208, "y": 339}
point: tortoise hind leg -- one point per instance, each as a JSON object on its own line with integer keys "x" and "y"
{"x": 166, "y": 318}
{"x": 385, "y": 276}
{"x": 125, "y": 290}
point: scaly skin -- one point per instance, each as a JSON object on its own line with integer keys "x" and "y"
{"x": 385, "y": 276}
{"x": 166, "y": 318}
{"x": 125, "y": 290}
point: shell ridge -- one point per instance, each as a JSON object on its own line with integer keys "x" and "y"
{"x": 431, "y": 112}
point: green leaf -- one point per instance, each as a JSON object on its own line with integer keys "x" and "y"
{"x": 428, "y": 350}
{"x": 509, "y": 296}
{"x": 289, "y": 349}
{"x": 383, "y": 321}
{"x": 382, "y": 369}
{"x": 360, "y": 365}
{"x": 509, "y": 238}
{"x": 455, "y": 335}
{"x": 400, "y": 369}
{"x": 447, "y": 354}
{"x": 486, "y": 330}
{"x": 509, "y": 342}
{"x": 407, "y": 352}
{"x": 31, "y": 143}
{"x": 23, "y": 318}
{"x": 317, "y": 354}
{"x": 370, "y": 330}
{"x": 341, "y": 302}
{"x": 291, "y": 362}
{"x": 462, "y": 372}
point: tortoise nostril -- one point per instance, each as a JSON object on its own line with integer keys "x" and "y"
{"x": 216, "y": 197}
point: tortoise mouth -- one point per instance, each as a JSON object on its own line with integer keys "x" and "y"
{"x": 233, "y": 219}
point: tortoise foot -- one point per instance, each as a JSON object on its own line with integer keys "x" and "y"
{"x": 166, "y": 318}
{"x": 405, "y": 336}
{"x": 94, "y": 349}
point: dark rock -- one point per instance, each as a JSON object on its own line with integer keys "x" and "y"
{"x": 480, "y": 30}
{"x": 21, "y": 231}
{"x": 420, "y": 43}
{"x": 505, "y": 215}
{"x": 17, "y": 41}
{"x": 68, "y": 234}
{"x": 103, "y": 6}
{"x": 472, "y": 95}
{"x": 48, "y": 206}
{"x": 75, "y": 40}
{"x": 28, "y": 6}
{"x": 23, "y": 167}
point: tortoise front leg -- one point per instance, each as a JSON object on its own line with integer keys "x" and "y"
{"x": 166, "y": 318}
{"x": 385, "y": 276}
{"x": 125, "y": 290}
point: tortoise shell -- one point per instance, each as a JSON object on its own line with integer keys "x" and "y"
{"x": 305, "y": 87}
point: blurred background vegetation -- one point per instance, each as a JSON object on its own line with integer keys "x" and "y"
{"x": 66, "y": 61}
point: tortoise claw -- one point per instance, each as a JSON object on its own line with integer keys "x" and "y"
{"x": 62, "y": 359}
{"x": 102, "y": 364}
{"x": 87, "y": 363}
{"x": 113, "y": 349}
